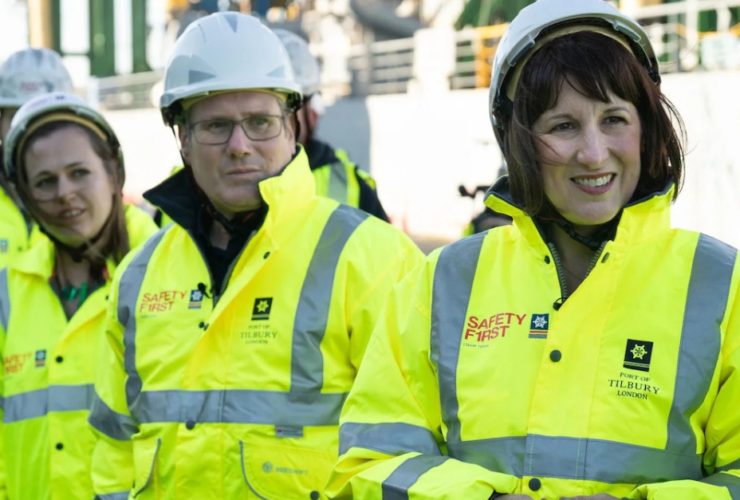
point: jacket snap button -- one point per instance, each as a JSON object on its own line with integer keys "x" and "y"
{"x": 314, "y": 495}
{"x": 555, "y": 355}
{"x": 534, "y": 484}
{"x": 59, "y": 446}
{"x": 189, "y": 424}
{"x": 59, "y": 359}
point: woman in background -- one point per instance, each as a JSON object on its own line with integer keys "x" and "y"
{"x": 67, "y": 166}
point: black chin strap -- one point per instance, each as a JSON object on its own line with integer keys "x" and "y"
{"x": 593, "y": 242}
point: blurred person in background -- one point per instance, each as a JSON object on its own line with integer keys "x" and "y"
{"x": 24, "y": 75}
{"x": 66, "y": 164}
{"x": 589, "y": 350}
{"x": 336, "y": 176}
{"x": 488, "y": 218}
{"x": 235, "y": 334}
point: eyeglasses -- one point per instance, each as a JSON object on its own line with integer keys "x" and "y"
{"x": 257, "y": 127}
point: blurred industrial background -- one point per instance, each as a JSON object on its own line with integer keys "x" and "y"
{"x": 405, "y": 84}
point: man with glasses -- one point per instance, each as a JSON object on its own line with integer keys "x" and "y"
{"x": 234, "y": 335}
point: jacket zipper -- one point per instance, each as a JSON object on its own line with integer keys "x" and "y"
{"x": 557, "y": 261}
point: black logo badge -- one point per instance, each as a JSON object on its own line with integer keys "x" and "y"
{"x": 637, "y": 355}
{"x": 261, "y": 309}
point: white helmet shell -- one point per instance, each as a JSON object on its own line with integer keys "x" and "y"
{"x": 542, "y": 16}
{"x": 53, "y": 103}
{"x": 222, "y": 52}
{"x": 31, "y": 72}
{"x": 305, "y": 66}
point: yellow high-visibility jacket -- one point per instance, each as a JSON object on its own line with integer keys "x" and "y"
{"x": 15, "y": 231}
{"x": 48, "y": 370}
{"x": 236, "y": 393}
{"x": 339, "y": 180}
{"x": 481, "y": 379}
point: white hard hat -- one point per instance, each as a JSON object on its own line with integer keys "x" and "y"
{"x": 540, "y": 18}
{"x": 305, "y": 66}
{"x": 31, "y": 72}
{"x": 57, "y": 106}
{"x": 222, "y": 52}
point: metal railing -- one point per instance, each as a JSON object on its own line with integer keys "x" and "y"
{"x": 389, "y": 67}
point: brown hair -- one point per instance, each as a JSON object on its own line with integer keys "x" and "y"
{"x": 594, "y": 65}
{"x": 112, "y": 241}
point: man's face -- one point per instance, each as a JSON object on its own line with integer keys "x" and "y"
{"x": 229, "y": 173}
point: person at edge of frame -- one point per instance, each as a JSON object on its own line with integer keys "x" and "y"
{"x": 24, "y": 75}
{"x": 66, "y": 164}
{"x": 589, "y": 350}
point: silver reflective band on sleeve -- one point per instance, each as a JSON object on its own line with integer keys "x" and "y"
{"x": 4, "y": 299}
{"x": 307, "y": 366}
{"x": 113, "y": 496}
{"x": 55, "y": 398}
{"x": 338, "y": 182}
{"x": 730, "y": 466}
{"x": 576, "y": 458}
{"x": 392, "y": 439}
{"x": 583, "y": 458}
{"x": 729, "y": 481}
{"x": 453, "y": 282}
{"x": 238, "y": 406}
{"x": 128, "y": 293}
{"x": 396, "y": 486}
{"x": 110, "y": 423}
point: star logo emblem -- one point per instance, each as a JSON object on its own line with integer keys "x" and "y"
{"x": 262, "y": 306}
{"x": 540, "y": 322}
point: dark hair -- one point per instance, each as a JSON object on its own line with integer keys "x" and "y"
{"x": 113, "y": 241}
{"x": 595, "y": 65}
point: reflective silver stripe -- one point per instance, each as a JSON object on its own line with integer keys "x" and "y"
{"x": 55, "y": 398}
{"x": 590, "y": 459}
{"x": 4, "y": 299}
{"x": 453, "y": 281}
{"x": 396, "y": 486}
{"x": 113, "y": 496}
{"x": 128, "y": 293}
{"x": 730, "y": 466}
{"x": 573, "y": 458}
{"x": 700, "y": 339}
{"x": 238, "y": 406}
{"x": 110, "y": 423}
{"x": 392, "y": 439}
{"x": 338, "y": 182}
{"x": 312, "y": 313}
{"x": 729, "y": 481}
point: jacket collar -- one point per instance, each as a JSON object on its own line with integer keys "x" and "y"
{"x": 180, "y": 198}
{"x": 641, "y": 219}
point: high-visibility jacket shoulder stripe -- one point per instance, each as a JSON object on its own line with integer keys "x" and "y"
{"x": 310, "y": 320}
{"x": 453, "y": 282}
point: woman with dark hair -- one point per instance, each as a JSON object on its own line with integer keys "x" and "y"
{"x": 589, "y": 350}
{"x": 67, "y": 167}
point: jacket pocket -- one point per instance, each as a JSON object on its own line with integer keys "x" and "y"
{"x": 274, "y": 470}
{"x": 145, "y": 461}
